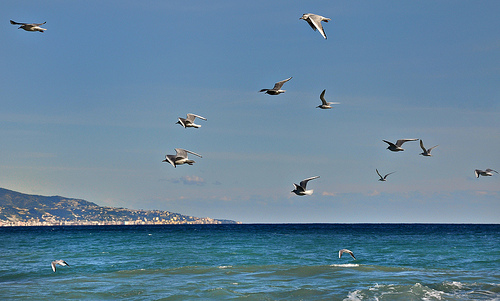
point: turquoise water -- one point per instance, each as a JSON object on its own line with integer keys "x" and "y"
{"x": 252, "y": 262}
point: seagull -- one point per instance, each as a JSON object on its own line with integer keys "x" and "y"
{"x": 397, "y": 147}
{"x": 484, "y": 173}
{"x": 277, "y": 88}
{"x": 426, "y": 152}
{"x": 181, "y": 157}
{"x": 188, "y": 122}
{"x": 30, "y": 26}
{"x": 384, "y": 178}
{"x": 301, "y": 189}
{"x": 315, "y": 22}
{"x": 346, "y": 251}
{"x": 59, "y": 262}
{"x": 325, "y": 104}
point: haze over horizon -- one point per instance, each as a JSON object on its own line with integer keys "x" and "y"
{"x": 89, "y": 107}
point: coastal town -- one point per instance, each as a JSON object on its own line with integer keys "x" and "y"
{"x": 17, "y": 209}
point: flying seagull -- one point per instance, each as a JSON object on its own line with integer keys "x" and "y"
{"x": 324, "y": 103}
{"x": 346, "y": 251}
{"x": 384, "y": 178}
{"x": 397, "y": 147}
{"x": 59, "y": 262}
{"x": 181, "y": 157}
{"x": 484, "y": 173}
{"x": 188, "y": 122}
{"x": 315, "y": 22}
{"x": 277, "y": 88}
{"x": 426, "y": 152}
{"x": 301, "y": 189}
{"x": 30, "y": 26}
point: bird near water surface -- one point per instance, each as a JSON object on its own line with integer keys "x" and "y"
{"x": 59, "y": 262}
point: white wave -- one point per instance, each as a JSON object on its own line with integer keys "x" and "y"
{"x": 345, "y": 265}
{"x": 225, "y": 266}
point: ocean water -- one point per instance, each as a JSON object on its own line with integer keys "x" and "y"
{"x": 252, "y": 262}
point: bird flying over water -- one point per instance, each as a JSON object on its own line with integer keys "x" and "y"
{"x": 277, "y": 88}
{"x": 324, "y": 103}
{"x": 397, "y": 147}
{"x": 384, "y": 178}
{"x": 59, "y": 262}
{"x": 484, "y": 173}
{"x": 188, "y": 122}
{"x": 301, "y": 189}
{"x": 315, "y": 22}
{"x": 426, "y": 152}
{"x": 29, "y": 26}
{"x": 181, "y": 157}
{"x": 346, "y": 251}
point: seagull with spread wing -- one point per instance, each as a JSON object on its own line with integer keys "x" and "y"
{"x": 188, "y": 122}
{"x": 181, "y": 157}
{"x": 277, "y": 88}
{"x": 315, "y": 22}
{"x": 29, "y": 26}
{"x": 301, "y": 189}
{"x": 324, "y": 103}
{"x": 397, "y": 147}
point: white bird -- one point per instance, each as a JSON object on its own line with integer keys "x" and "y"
{"x": 346, "y": 251}
{"x": 188, "y": 122}
{"x": 277, "y": 88}
{"x": 59, "y": 262}
{"x": 301, "y": 189}
{"x": 324, "y": 103}
{"x": 426, "y": 152}
{"x": 484, "y": 173}
{"x": 397, "y": 147}
{"x": 384, "y": 178}
{"x": 315, "y": 22}
{"x": 30, "y": 26}
{"x": 181, "y": 157}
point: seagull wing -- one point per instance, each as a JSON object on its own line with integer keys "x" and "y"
{"x": 390, "y": 143}
{"x": 401, "y": 141}
{"x": 192, "y": 153}
{"x": 181, "y": 121}
{"x": 379, "y": 174}
{"x": 38, "y": 24}
{"x": 17, "y": 23}
{"x": 489, "y": 170}
{"x": 477, "y": 172}
{"x": 389, "y": 174}
{"x": 298, "y": 187}
{"x": 278, "y": 85}
{"x": 53, "y": 265}
{"x": 322, "y": 97}
{"x": 303, "y": 183}
{"x": 346, "y": 251}
{"x": 422, "y": 146}
{"x": 191, "y": 117}
{"x": 316, "y": 21}
{"x": 429, "y": 150}
{"x": 169, "y": 160}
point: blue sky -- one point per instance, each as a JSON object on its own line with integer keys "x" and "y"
{"x": 89, "y": 107}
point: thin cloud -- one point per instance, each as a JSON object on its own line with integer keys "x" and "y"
{"x": 189, "y": 180}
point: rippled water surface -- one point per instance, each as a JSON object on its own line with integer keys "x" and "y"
{"x": 252, "y": 262}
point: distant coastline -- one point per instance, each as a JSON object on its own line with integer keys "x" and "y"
{"x": 19, "y": 209}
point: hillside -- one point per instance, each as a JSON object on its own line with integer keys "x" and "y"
{"x": 18, "y": 209}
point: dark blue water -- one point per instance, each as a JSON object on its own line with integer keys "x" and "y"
{"x": 252, "y": 262}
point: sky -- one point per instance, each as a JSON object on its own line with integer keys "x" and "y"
{"x": 88, "y": 108}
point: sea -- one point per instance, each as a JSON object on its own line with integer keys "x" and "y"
{"x": 252, "y": 262}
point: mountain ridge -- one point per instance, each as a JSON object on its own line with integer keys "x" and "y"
{"x": 20, "y": 209}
